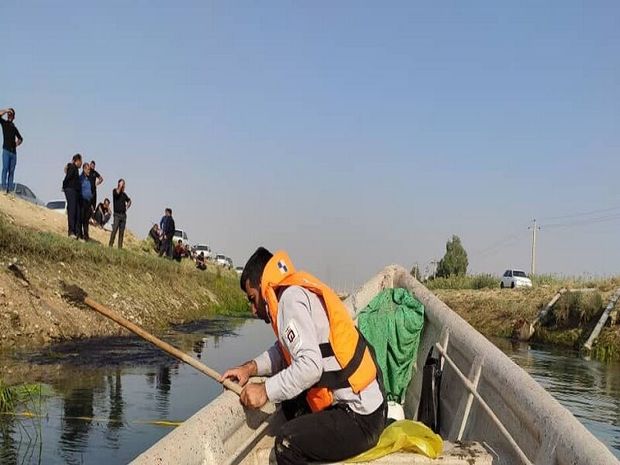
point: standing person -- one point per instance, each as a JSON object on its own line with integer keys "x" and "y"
{"x": 95, "y": 180}
{"x": 167, "y": 227}
{"x": 86, "y": 202}
{"x": 323, "y": 371}
{"x": 12, "y": 140}
{"x": 121, "y": 202}
{"x": 71, "y": 187}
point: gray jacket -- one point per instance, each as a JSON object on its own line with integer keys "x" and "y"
{"x": 302, "y": 326}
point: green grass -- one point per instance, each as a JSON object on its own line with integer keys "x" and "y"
{"x": 50, "y": 246}
{"x": 12, "y": 397}
{"x": 478, "y": 281}
{"x": 489, "y": 281}
{"x": 158, "y": 291}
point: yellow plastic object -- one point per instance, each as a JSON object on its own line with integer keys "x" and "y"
{"x": 404, "y": 436}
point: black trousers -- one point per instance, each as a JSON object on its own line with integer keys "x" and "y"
{"x": 73, "y": 211}
{"x": 332, "y": 435}
{"x": 120, "y": 219}
{"x": 166, "y": 247}
{"x": 85, "y": 214}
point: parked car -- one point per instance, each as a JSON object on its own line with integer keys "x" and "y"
{"x": 180, "y": 234}
{"x": 222, "y": 260}
{"x": 23, "y": 192}
{"x": 59, "y": 206}
{"x": 205, "y": 249}
{"x": 239, "y": 270}
{"x": 229, "y": 262}
{"x": 515, "y": 278}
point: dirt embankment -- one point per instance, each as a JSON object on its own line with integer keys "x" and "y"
{"x": 37, "y": 259}
{"x": 494, "y": 312}
{"x": 25, "y": 214}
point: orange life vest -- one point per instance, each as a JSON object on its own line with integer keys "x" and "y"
{"x": 358, "y": 368}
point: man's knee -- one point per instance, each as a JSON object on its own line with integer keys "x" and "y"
{"x": 287, "y": 453}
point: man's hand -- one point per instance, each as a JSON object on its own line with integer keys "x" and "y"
{"x": 254, "y": 395}
{"x": 18, "y": 142}
{"x": 241, "y": 374}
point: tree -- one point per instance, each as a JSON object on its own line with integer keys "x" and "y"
{"x": 454, "y": 262}
{"x": 415, "y": 272}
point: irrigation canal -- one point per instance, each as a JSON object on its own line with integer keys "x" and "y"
{"x": 106, "y": 400}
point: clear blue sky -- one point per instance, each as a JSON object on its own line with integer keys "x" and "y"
{"x": 354, "y": 134}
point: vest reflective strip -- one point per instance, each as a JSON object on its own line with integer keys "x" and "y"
{"x": 339, "y": 379}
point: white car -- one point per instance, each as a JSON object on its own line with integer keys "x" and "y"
{"x": 59, "y": 206}
{"x": 239, "y": 270}
{"x": 182, "y": 235}
{"x": 205, "y": 249}
{"x": 515, "y": 278}
{"x": 221, "y": 260}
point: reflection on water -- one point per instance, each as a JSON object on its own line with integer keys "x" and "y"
{"x": 588, "y": 388}
{"x": 110, "y": 398}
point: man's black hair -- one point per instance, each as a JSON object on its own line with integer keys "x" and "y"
{"x": 106, "y": 200}
{"x": 77, "y": 157}
{"x": 12, "y": 111}
{"x": 254, "y": 268}
{"x": 169, "y": 210}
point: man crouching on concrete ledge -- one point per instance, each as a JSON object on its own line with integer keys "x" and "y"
{"x": 322, "y": 370}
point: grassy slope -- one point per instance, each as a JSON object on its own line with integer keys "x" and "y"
{"x": 146, "y": 289}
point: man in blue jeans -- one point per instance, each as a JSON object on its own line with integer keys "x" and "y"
{"x": 12, "y": 140}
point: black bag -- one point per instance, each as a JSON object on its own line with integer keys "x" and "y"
{"x": 428, "y": 410}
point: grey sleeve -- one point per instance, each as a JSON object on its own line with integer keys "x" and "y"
{"x": 297, "y": 331}
{"x": 269, "y": 362}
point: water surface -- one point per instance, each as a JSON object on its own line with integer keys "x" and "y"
{"x": 588, "y": 388}
{"x": 109, "y": 399}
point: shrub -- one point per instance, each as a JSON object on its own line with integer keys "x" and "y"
{"x": 480, "y": 281}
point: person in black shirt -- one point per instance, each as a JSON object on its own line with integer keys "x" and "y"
{"x": 200, "y": 261}
{"x": 154, "y": 234}
{"x": 167, "y": 227}
{"x": 102, "y": 213}
{"x": 121, "y": 203}
{"x": 12, "y": 140}
{"x": 95, "y": 179}
{"x": 71, "y": 188}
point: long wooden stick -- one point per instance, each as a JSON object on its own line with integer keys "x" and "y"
{"x": 134, "y": 328}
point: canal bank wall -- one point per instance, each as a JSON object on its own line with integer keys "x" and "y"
{"x": 36, "y": 262}
{"x": 496, "y": 313}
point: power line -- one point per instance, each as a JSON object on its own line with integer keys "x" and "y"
{"x": 497, "y": 246}
{"x": 576, "y": 215}
{"x": 534, "y": 228}
{"x": 585, "y": 221}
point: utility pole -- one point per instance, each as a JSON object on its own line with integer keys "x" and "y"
{"x": 534, "y": 228}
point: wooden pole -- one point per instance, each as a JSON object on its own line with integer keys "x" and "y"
{"x": 525, "y": 334}
{"x": 601, "y": 322}
{"x": 176, "y": 353}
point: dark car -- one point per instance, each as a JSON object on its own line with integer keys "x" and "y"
{"x": 24, "y": 192}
